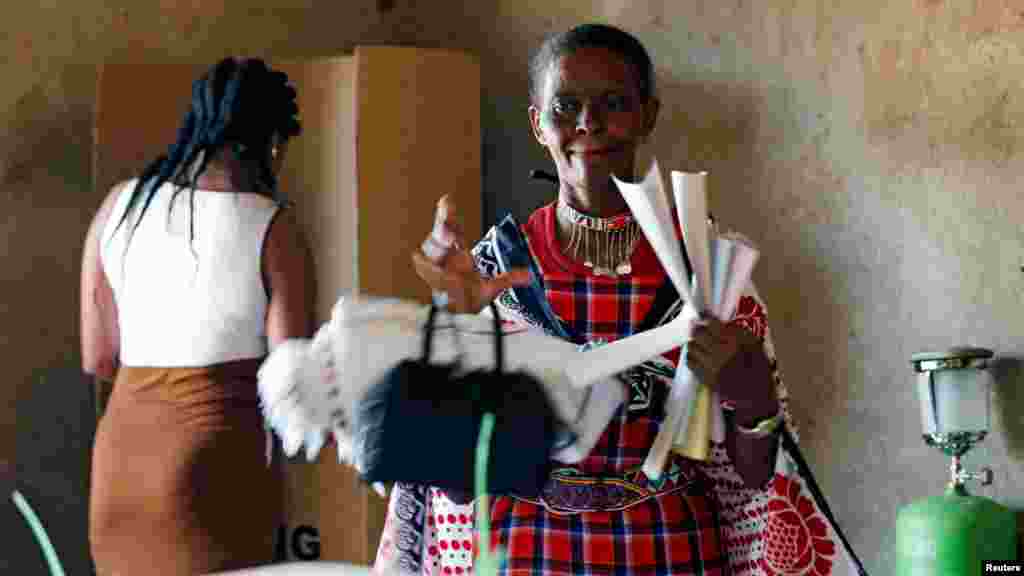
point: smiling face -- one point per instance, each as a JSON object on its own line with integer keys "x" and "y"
{"x": 591, "y": 117}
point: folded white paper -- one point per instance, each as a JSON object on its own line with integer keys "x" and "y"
{"x": 721, "y": 270}
{"x": 649, "y": 205}
{"x": 624, "y": 353}
{"x": 692, "y": 208}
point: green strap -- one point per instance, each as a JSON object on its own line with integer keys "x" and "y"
{"x": 40, "y": 533}
{"x": 486, "y": 564}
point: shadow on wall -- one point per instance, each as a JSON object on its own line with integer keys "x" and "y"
{"x": 1009, "y": 397}
{"x": 725, "y": 129}
{"x": 721, "y": 128}
{"x": 1009, "y": 392}
{"x": 55, "y": 428}
{"x": 41, "y": 125}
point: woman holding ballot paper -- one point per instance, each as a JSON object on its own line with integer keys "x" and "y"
{"x": 583, "y": 269}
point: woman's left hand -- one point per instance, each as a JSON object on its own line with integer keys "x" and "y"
{"x": 712, "y": 345}
{"x": 730, "y": 359}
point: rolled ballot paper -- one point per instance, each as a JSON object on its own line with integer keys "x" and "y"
{"x": 688, "y": 406}
{"x": 624, "y": 353}
{"x": 732, "y": 263}
{"x": 649, "y": 205}
{"x": 743, "y": 256}
{"x": 690, "y": 190}
{"x": 720, "y": 273}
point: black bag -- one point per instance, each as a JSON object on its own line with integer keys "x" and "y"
{"x": 420, "y": 424}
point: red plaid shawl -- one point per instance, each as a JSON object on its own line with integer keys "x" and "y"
{"x": 675, "y": 533}
{"x": 708, "y": 524}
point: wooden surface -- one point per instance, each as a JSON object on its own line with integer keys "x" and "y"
{"x": 131, "y": 127}
{"x": 318, "y": 175}
{"x": 138, "y": 110}
{"x": 418, "y": 137}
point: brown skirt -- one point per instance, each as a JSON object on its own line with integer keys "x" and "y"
{"x": 180, "y": 483}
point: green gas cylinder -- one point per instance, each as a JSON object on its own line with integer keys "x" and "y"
{"x": 953, "y": 535}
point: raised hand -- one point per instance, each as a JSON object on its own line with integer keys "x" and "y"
{"x": 446, "y": 265}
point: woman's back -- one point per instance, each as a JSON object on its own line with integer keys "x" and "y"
{"x": 189, "y": 291}
{"x": 185, "y": 288}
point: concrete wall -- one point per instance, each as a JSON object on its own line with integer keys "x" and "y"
{"x": 871, "y": 148}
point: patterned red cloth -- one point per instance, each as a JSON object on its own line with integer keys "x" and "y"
{"x": 595, "y": 307}
{"x": 674, "y": 533}
{"x": 712, "y": 525}
{"x": 604, "y": 308}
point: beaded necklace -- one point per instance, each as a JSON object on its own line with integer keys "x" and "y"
{"x": 604, "y": 244}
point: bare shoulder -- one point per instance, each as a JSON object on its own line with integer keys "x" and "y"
{"x": 290, "y": 279}
{"x": 286, "y": 251}
{"x": 285, "y": 238}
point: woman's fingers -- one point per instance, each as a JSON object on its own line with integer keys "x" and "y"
{"x": 431, "y": 273}
{"x": 702, "y": 337}
{"x": 441, "y": 280}
{"x": 697, "y": 363}
{"x": 699, "y": 354}
{"x": 510, "y": 279}
{"x": 467, "y": 291}
{"x": 427, "y": 270}
{"x": 448, "y": 213}
{"x": 461, "y": 261}
{"x": 716, "y": 336}
{"x": 455, "y": 273}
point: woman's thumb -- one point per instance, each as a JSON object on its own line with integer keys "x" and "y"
{"x": 510, "y": 279}
{"x": 446, "y": 225}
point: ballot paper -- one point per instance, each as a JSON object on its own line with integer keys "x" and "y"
{"x": 722, "y": 266}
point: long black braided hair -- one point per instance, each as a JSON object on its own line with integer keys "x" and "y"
{"x": 237, "y": 102}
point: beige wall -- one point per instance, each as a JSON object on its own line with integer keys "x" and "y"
{"x": 871, "y": 148}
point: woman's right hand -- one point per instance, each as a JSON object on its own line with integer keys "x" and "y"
{"x": 453, "y": 271}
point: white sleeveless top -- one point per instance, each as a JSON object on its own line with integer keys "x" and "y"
{"x": 182, "y": 303}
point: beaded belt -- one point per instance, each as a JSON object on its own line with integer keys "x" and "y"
{"x": 568, "y": 491}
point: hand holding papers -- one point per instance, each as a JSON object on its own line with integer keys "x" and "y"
{"x": 721, "y": 269}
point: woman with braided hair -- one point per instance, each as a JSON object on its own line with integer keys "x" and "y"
{"x": 190, "y": 274}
